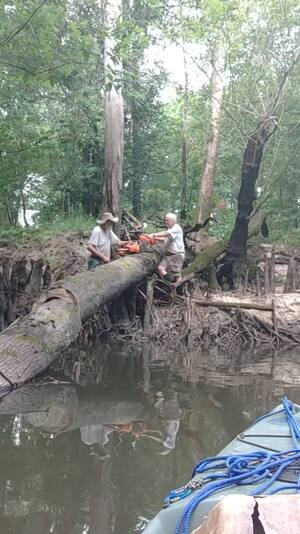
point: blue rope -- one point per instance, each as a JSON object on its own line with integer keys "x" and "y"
{"x": 241, "y": 469}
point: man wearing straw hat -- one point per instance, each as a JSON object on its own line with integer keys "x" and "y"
{"x": 102, "y": 240}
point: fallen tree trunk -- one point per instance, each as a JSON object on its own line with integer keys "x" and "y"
{"x": 231, "y": 304}
{"x": 30, "y": 344}
{"x": 206, "y": 257}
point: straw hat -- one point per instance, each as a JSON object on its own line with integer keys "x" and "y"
{"x": 107, "y": 216}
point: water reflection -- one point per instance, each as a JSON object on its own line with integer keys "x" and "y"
{"x": 97, "y": 456}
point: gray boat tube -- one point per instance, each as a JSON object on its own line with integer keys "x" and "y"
{"x": 268, "y": 434}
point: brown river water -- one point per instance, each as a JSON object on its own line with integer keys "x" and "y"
{"x": 96, "y": 449}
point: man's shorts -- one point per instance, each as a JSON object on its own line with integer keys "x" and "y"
{"x": 173, "y": 263}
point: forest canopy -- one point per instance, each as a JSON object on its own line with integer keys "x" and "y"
{"x": 190, "y": 73}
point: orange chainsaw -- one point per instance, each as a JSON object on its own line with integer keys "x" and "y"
{"x": 134, "y": 247}
{"x": 148, "y": 239}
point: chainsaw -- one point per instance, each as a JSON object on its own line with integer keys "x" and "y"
{"x": 135, "y": 247}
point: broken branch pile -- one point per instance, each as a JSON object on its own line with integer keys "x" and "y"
{"x": 228, "y": 322}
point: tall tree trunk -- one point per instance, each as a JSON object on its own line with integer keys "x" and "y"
{"x": 23, "y": 202}
{"x": 183, "y": 200}
{"x": 212, "y": 145}
{"x": 135, "y": 58}
{"x": 237, "y": 247}
{"x": 114, "y": 120}
{"x": 113, "y": 166}
{"x": 137, "y": 200}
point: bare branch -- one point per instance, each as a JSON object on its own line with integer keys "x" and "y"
{"x": 20, "y": 28}
{"x": 27, "y": 147}
{"x": 199, "y": 226}
{"x": 284, "y": 78}
{"x": 42, "y": 71}
{"x": 19, "y": 67}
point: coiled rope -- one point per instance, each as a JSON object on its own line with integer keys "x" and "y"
{"x": 241, "y": 469}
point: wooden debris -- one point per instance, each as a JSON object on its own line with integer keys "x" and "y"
{"x": 290, "y": 285}
{"x": 227, "y": 321}
{"x": 148, "y": 308}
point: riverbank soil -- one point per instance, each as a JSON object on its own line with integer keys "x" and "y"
{"x": 29, "y": 268}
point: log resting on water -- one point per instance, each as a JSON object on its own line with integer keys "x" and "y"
{"x": 30, "y": 344}
{"x": 65, "y": 407}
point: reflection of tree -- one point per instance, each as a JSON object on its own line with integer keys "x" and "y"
{"x": 103, "y": 498}
{"x": 41, "y": 487}
{"x": 68, "y": 483}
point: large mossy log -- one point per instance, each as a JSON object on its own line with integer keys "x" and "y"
{"x": 30, "y": 344}
{"x": 211, "y": 253}
{"x": 65, "y": 407}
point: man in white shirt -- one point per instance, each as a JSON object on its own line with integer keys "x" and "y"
{"x": 174, "y": 246}
{"x": 102, "y": 240}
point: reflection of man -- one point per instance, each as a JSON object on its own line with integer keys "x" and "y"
{"x": 165, "y": 421}
{"x": 170, "y": 430}
{"x": 102, "y": 240}
{"x": 97, "y": 435}
{"x": 169, "y": 420}
{"x": 174, "y": 245}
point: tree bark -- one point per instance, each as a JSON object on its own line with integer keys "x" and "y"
{"x": 2, "y": 304}
{"x": 204, "y": 259}
{"x": 137, "y": 204}
{"x": 23, "y": 203}
{"x": 114, "y": 141}
{"x": 232, "y": 304}
{"x": 212, "y": 145}
{"x": 237, "y": 247}
{"x": 30, "y": 344}
{"x": 114, "y": 119}
{"x": 184, "y": 148}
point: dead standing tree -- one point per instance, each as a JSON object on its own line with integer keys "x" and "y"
{"x": 114, "y": 118}
{"x": 236, "y": 247}
{"x": 256, "y": 143}
{"x": 213, "y": 137}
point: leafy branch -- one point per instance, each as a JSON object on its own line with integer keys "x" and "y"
{"x": 20, "y": 28}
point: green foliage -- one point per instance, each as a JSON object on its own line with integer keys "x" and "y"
{"x": 52, "y": 126}
{"x": 51, "y": 117}
{"x": 77, "y": 225}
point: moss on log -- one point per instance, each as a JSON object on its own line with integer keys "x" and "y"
{"x": 30, "y": 344}
{"x": 206, "y": 257}
{"x": 94, "y": 288}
